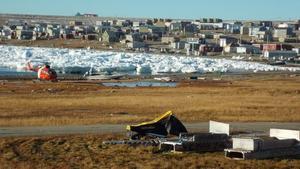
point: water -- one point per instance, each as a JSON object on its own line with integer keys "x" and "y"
{"x": 140, "y": 84}
{"x": 13, "y": 72}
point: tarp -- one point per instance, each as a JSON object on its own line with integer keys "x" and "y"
{"x": 165, "y": 125}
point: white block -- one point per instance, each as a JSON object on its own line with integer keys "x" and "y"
{"x": 250, "y": 144}
{"x": 219, "y": 128}
{"x": 285, "y": 134}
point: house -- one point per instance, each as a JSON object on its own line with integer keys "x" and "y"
{"x": 226, "y": 40}
{"x": 178, "y": 45}
{"x": 52, "y": 33}
{"x": 6, "y": 33}
{"x": 297, "y": 50}
{"x": 175, "y": 26}
{"x": 280, "y": 55}
{"x": 133, "y": 37}
{"x": 67, "y": 33}
{"x": 136, "y": 24}
{"x": 169, "y": 39}
{"x": 233, "y": 28}
{"x": 144, "y": 29}
{"x": 210, "y": 20}
{"x": 253, "y": 31}
{"x": 25, "y": 34}
{"x": 209, "y": 26}
{"x": 264, "y": 35}
{"x": 75, "y": 23}
{"x": 90, "y": 37}
{"x": 90, "y": 15}
{"x": 280, "y": 33}
{"x": 193, "y": 44}
{"x": 266, "y": 24}
{"x": 271, "y": 47}
{"x": 160, "y": 24}
{"x": 244, "y": 30}
{"x": 190, "y": 28}
{"x": 247, "y": 49}
{"x": 126, "y": 30}
{"x": 136, "y": 45}
{"x": 231, "y": 48}
{"x": 248, "y": 24}
{"x": 103, "y": 23}
{"x": 157, "y": 30}
{"x": 110, "y": 36}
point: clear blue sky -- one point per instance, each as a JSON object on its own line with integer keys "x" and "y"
{"x": 225, "y": 9}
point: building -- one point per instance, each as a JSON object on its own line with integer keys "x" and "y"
{"x": 224, "y": 41}
{"x": 133, "y": 37}
{"x": 109, "y": 37}
{"x": 253, "y": 31}
{"x": 280, "y": 33}
{"x": 266, "y": 24}
{"x": 233, "y": 28}
{"x": 136, "y": 45}
{"x": 52, "y": 33}
{"x": 297, "y": 50}
{"x": 244, "y": 30}
{"x": 280, "y": 55}
{"x": 6, "y": 33}
{"x": 103, "y": 23}
{"x": 90, "y": 15}
{"x": 169, "y": 39}
{"x": 264, "y": 36}
{"x": 231, "y": 48}
{"x": 75, "y": 23}
{"x": 25, "y": 35}
{"x": 247, "y": 49}
{"x": 178, "y": 45}
{"x": 271, "y": 47}
{"x": 175, "y": 26}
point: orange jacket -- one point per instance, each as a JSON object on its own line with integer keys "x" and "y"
{"x": 46, "y": 74}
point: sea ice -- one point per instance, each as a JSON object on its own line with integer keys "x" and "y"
{"x": 83, "y": 61}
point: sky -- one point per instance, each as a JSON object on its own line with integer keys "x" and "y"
{"x": 176, "y": 9}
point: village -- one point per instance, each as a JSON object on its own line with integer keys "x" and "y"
{"x": 274, "y": 41}
{"x": 158, "y": 84}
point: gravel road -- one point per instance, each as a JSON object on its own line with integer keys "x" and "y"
{"x": 253, "y": 127}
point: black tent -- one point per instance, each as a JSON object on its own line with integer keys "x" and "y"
{"x": 165, "y": 125}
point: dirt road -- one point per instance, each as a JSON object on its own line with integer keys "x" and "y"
{"x": 255, "y": 127}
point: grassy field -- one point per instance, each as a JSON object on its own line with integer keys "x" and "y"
{"x": 261, "y": 98}
{"x": 86, "y": 151}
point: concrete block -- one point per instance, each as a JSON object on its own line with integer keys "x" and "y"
{"x": 273, "y": 153}
{"x": 219, "y": 128}
{"x": 261, "y": 144}
{"x": 249, "y": 144}
{"x": 173, "y": 146}
{"x": 277, "y": 144}
{"x": 285, "y": 134}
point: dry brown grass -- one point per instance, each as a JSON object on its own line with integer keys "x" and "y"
{"x": 270, "y": 99}
{"x": 88, "y": 152}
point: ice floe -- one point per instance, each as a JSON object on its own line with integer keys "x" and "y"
{"x": 83, "y": 60}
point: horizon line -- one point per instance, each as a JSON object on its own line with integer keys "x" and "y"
{"x": 144, "y": 17}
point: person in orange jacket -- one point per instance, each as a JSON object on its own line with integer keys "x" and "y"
{"x": 44, "y": 72}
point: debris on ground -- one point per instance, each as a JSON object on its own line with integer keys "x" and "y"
{"x": 280, "y": 143}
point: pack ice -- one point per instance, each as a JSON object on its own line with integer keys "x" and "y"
{"x": 83, "y": 60}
